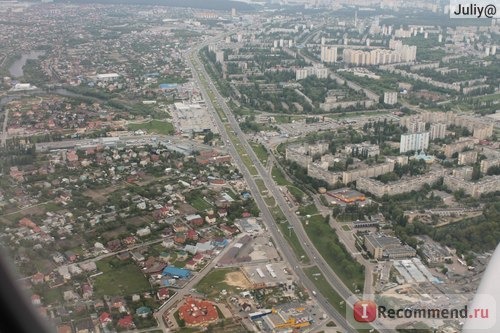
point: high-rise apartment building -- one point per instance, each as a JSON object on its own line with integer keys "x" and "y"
{"x": 437, "y": 131}
{"x": 328, "y": 54}
{"x": 414, "y": 141}
{"x": 390, "y": 97}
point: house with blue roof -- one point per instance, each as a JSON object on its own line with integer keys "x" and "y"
{"x": 220, "y": 242}
{"x": 143, "y": 311}
{"x": 176, "y": 272}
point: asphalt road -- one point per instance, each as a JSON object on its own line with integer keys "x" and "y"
{"x": 268, "y": 219}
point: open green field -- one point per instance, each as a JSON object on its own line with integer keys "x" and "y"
{"x": 260, "y": 151}
{"x": 154, "y": 126}
{"x": 289, "y": 235}
{"x": 261, "y": 186}
{"x": 488, "y": 98}
{"x": 325, "y": 289}
{"x": 241, "y": 151}
{"x": 270, "y": 201}
{"x": 284, "y": 119}
{"x": 212, "y": 284}
{"x": 296, "y": 192}
{"x": 278, "y": 177}
{"x": 326, "y": 241}
{"x": 353, "y": 114}
{"x": 200, "y": 204}
{"x": 119, "y": 278}
{"x": 308, "y": 210}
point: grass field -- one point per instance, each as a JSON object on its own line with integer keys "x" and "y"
{"x": 261, "y": 186}
{"x": 346, "y": 227}
{"x": 119, "y": 278}
{"x": 296, "y": 192}
{"x": 241, "y": 151}
{"x": 154, "y": 126}
{"x": 326, "y": 241}
{"x": 488, "y": 98}
{"x": 278, "y": 177}
{"x": 270, "y": 201}
{"x": 325, "y": 289}
{"x": 260, "y": 151}
{"x": 308, "y": 210}
{"x": 200, "y": 204}
{"x": 289, "y": 235}
{"x": 283, "y": 119}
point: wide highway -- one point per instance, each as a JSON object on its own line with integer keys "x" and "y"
{"x": 197, "y": 68}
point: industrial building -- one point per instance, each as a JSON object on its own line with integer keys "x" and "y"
{"x": 347, "y": 195}
{"x": 381, "y": 246}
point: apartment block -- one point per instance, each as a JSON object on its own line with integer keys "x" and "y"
{"x": 467, "y": 157}
{"x": 302, "y": 73}
{"x": 414, "y": 141}
{"x": 328, "y": 54}
{"x": 390, "y": 97}
{"x": 488, "y": 163}
{"x": 457, "y": 147}
{"x": 379, "y": 189}
{"x": 320, "y": 171}
{"x": 485, "y": 185}
{"x": 372, "y": 171}
{"x": 416, "y": 126}
{"x": 437, "y": 131}
{"x": 364, "y": 148}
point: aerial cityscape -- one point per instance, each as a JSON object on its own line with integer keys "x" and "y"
{"x": 257, "y": 166}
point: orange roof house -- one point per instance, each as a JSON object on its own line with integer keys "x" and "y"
{"x": 197, "y": 312}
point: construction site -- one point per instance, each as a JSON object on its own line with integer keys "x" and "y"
{"x": 284, "y": 319}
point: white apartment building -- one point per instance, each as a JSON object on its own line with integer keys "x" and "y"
{"x": 302, "y": 73}
{"x": 414, "y": 141}
{"x": 390, "y": 97}
{"x": 328, "y": 54}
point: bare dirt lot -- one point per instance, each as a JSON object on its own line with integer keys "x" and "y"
{"x": 100, "y": 195}
{"x": 237, "y": 279}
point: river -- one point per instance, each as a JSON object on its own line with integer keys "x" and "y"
{"x": 16, "y": 69}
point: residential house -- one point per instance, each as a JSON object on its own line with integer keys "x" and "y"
{"x": 87, "y": 291}
{"x": 165, "y": 256}
{"x": 192, "y": 235}
{"x": 180, "y": 237}
{"x": 143, "y": 311}
{"x": 168, "y": 242}
{"x": 126, "y": 322}
{"x": 114, "y": 245}
{"x": 37, "y": 278}
{"x": 182, "y": 255}
{"x": 191, "y": 265}
{"x": 69, "y": 295}
{"x": 194, "y": 220}
{"x": 88, "y": 266}
{"x": 36, "y": 299}
{"x": 144, "y": 232}
{"x": 105, "y": 318}
{"x": 211, "y": 219}
{"x": 163, "y": 293}
{"x": 222, "y": 212}
{"x": 128, "y": 241}
{"x": 179, "y": 227}
{"x": 229, "y": 230}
